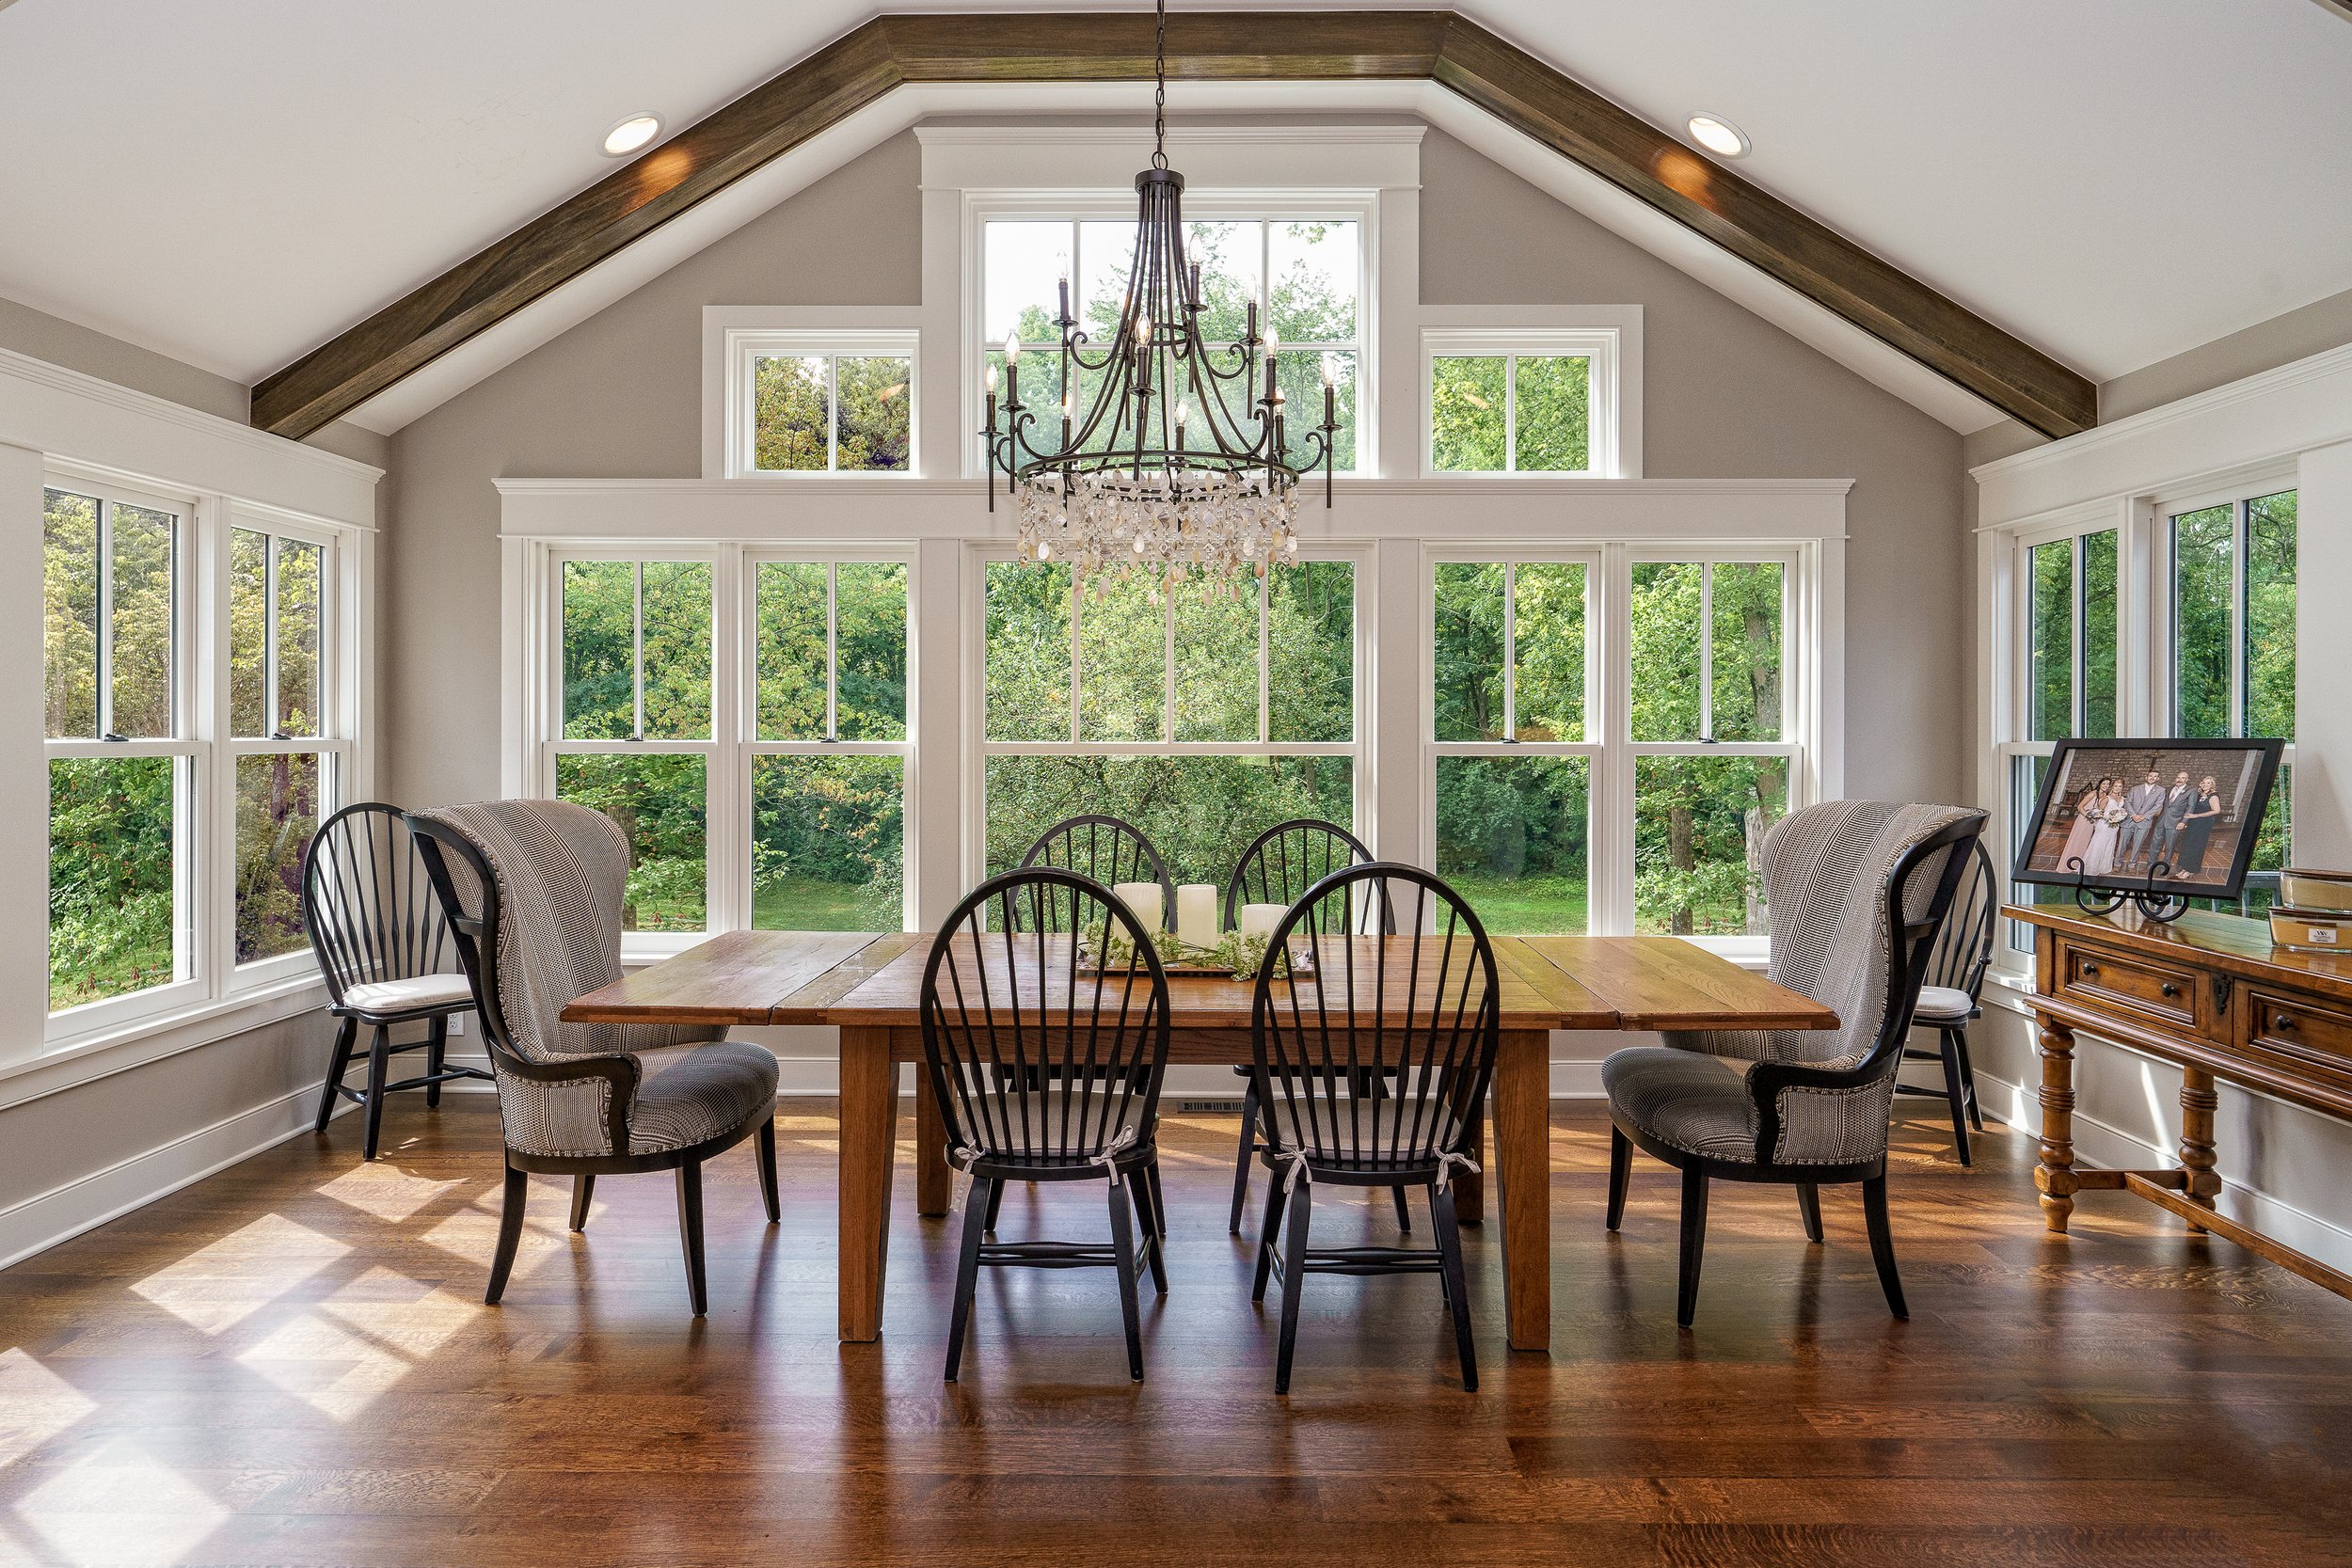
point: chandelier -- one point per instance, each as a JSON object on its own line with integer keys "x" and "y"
{"x": 1183, "y": 461}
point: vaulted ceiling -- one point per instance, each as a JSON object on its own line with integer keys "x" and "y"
{"x": 236, "y": 182}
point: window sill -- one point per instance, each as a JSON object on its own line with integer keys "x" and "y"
{"x": 67, "y": 1064}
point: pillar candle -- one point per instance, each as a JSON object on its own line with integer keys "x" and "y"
{"x": 1196, "y": 914}
{"x": 1259, "y": 920}
{"x": 1143, "y": 901}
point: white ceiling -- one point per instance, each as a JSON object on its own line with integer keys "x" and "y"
{"x": 235, "y": 183}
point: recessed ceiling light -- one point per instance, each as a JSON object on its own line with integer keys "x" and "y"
{"x": 630, "y": 134}
{"x": 1719, "y": 136}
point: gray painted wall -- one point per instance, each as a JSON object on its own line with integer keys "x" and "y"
{"x": 1726, "y": 395}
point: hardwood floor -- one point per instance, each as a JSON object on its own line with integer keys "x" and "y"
{"x": 290, "y": 1363}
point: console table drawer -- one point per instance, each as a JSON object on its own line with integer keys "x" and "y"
{"x": 2295, "y": 1026}
{"x": 2157, "y": 991}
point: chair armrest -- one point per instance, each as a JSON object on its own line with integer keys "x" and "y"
{"x": 1769, "y": 1081}
{"x": 622, "y": 1075}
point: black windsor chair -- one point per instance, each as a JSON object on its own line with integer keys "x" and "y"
{"x": 1948, "y": 999}
{"x": 1281, "y": 863}
{"x": 1422, "y": 1013}
{"x": 1046, "y": 1052}
{"x": 385, "y": 952}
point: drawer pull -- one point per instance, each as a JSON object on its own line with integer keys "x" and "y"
{"x": 2171, "y": 989}
{"x": 2091, "y": 971}
{"x": 2283, "y": 1021}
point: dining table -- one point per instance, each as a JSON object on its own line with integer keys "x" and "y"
{"x": 869, "y": 986}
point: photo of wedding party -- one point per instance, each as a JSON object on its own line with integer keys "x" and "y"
{"x": 2120, "y": 813}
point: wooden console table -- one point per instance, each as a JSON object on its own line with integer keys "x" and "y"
{"x": 2209, "y": 992}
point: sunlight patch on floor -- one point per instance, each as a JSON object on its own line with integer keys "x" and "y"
{"x": 119, "y": 1508}
{"x": 226, "y": 1281}
{"x": 340, "y": 1356}
{"x": 35, "y": 1404}
{"x": 386, "y": 1191}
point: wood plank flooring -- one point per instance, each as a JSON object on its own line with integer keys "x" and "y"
{"x": 290, "y": 1363}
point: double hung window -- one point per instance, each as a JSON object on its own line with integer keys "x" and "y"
{"x": 782, "y": 809}
{"x": 1611, "y": 736}
{"x": 1204, "y": 710}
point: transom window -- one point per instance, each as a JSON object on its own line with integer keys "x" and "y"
{"x": 784, "y": 811}
{"x": 1202, "y": 710}
{"x": 811, "y": 401}
{"x": 1300, "y": 280}
{"x": 1521, "y": 401}
{"x": 1577, "y": 786}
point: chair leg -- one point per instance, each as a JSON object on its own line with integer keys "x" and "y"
{"x": 996, "y": 1202}
{"x": 1809, "y": 1207}
{"x": 764, "y": 1148}
{"x": 1883, "y": 1243}
{"x": 379, "y": 1064}
{"x": 1956, "y": 1095}
{"x": 1693, "y": 1244}
{"x": 1123, "y": 1250}
{"x": 1152, "y": 1214}
{"x": 436, "y": 1052}
{"x": 1248, "y": 1156}
{"x": 1968, "y": 1078}
{"x": 1269, "y": 1236}
{"x": 583, "y": 1189}
{"x": 1404, "y": 1215}
{"x": 1620, "y": 1172}
{"x": 690, "y": 1230}
{"x": 345, "y": 1031}
{"x": 1457, "y": 1290}
{"x": 510, "y": 1234}
{"x": 967, "y": 1275}
{"x": 1294, "y": 1282}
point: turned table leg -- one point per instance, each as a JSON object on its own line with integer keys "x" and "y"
{"x": 2055, "y": 1176}
{"x": 2198, "y": 1102}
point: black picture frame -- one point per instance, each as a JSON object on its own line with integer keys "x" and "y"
{"x": 2244, "y": 772}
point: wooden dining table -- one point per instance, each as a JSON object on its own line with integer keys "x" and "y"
{"x": 869, "y": 986}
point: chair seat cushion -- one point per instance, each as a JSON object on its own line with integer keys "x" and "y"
{"x": 693, "y": 1093}
{"x": 1940, "y": 1003}
{"x": 1684, "y": 1099}
{"x": 1347, "y": 1134}
{"x": 417, "y": 990}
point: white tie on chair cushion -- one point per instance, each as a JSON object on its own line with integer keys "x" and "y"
{"x": 418, "y": 990}
{"x": 1939, "y": 1003}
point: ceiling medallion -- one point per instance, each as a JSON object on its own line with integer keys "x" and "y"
{"x": 1160, "y": 474}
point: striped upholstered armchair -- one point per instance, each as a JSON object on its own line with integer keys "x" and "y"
{"x": 534, "y": 894}
{"x": 1855, "y": 892}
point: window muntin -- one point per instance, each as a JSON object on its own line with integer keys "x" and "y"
{"x": 1201, "y": 714}
{"x": 1304, "y": 276}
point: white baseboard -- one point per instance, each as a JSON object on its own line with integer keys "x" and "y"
{"x": 40, "y": 1222}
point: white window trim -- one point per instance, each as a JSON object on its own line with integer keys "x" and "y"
{"x": 1610, "y": 336}
{"x": 206, "y": 817}
{"x": 734, "y": 335}
{"x": 534, "y": 702}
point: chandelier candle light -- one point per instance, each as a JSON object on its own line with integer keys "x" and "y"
{"x": 1160, "y": 475}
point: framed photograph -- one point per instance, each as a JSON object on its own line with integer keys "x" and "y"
{"x": 2112, "y": 811}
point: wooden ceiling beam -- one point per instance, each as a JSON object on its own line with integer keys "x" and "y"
{"x": 892, "y": 50}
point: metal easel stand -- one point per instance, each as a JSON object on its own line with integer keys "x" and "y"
{"x": 2160, "y": 906}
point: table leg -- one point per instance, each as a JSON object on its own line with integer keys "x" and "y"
{"x": 2198, "y": 1102}
{"x": 2055, "y": 1175}
{"x": 934, "y": 1182}
{"x": 1522, "y": 1162}
{"x": 869, "y": 1136}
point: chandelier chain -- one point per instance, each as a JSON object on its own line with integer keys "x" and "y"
{"x": 1159, "y": 89}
